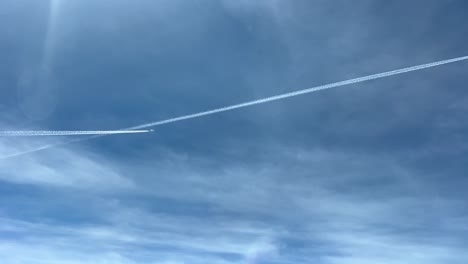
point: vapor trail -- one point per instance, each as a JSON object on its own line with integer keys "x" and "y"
{"x": 67, "y": 133}
{"x": 301, "y": 92}
{"x": 267, "y": 99}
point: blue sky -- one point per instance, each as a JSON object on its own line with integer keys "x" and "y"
{"x": 370, "y": 173}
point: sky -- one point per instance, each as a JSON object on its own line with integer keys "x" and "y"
{"x": 369, "y": 173}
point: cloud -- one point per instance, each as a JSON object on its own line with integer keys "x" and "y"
{"x": 61, "y": 167}
{"x": 362, "y": 247}
{"x": 159, "y": 241}
{"x": 317, "y": 196}
{"x": 263, "y": 249}
{"x": 340, "y": 207}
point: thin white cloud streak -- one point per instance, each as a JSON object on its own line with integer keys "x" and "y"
{"x": 67, "y": 133}
{"x": 50, "y": 39}
{"x": 266, "y": 100}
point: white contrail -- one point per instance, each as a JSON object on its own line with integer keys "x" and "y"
{"x": 67, "y": 133}
{"x": 301, "y": 92}
{"x": 268, "y": 99}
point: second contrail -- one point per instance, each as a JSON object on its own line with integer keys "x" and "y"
{"x": 269, "y": 99}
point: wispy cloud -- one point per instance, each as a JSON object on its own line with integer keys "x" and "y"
{"x": 367, "y": 209}
{"x": 60, "y": 168}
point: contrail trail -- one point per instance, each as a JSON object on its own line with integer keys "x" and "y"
{"x": 301, "y": 92}
{"x": 267, "y": 99}
{"x": 67, "y": 133}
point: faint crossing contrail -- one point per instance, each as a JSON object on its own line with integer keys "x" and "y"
{"x": 67, "y": 133}
{"x": 266, "y": 100}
